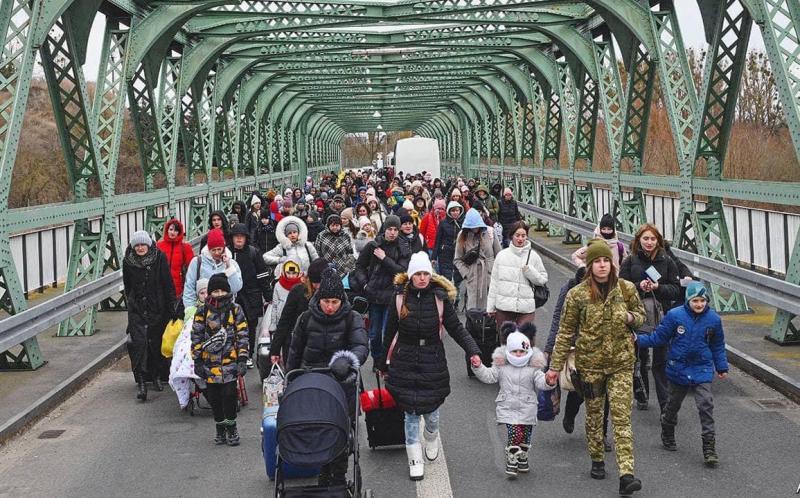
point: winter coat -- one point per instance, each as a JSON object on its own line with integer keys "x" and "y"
{"x": 252, "y": 221}
{"x": 696, "y": 345}
{"x": 279, "y": 296}
{"x": 604, "y": 344}
{"x": 317, "y": 336}
{"x": 418, "y": 378}
{"x": 360, "y": 241}
{"x": 507, "y": 215}
{"x": 149, "y": 291}
{"x": 414, "y": 241}
{"x": 239, "y": 208}
{"x": 379, "y": 274}
{"x": 517, "y": 402}
{"x": 209, "y": 267}
{"x": 477, "y": 274}
{"x": 226, "y": 229}
{"x": 301, "y": 251}
{"x": 220, "y": 367}
{"x": 377, "y": 217}
{"x": 428, "y": 228}
{"x": 445, "y": 247}
{"x": 337, "y": 249}
{"x": 294, "y": 305}
{"x": 669, "y": 288}
{"x": 179, "y": 254}
{"x": 618, "y": 251}
{"x": 554, "y": 324}
{"x": 256, "y": 279}
{"x": 490, "y": 202}
{"x": 263, "y": 236}
{"x": 511, "y": 286}
{"x": 314, "y": 229}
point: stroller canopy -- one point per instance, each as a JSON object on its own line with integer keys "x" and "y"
{"x": 313, "y": 421}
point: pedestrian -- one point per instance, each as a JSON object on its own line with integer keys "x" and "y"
{"x": 658, "y": 290}
{"x": 239, "y": 209}
{"x": 217, "y": 220}
{"x": 256, "y": 281}
{"x": 331, "y": 334}
{"x": 335, "y": 246}
{"x": 263, "y": 234}
{"x": 474, "y": 258}
{"x": 605, "y": 230}
{"x": 430, "y": 224}
{"x": 253, "y": 217}
{"x": 517, "y": 367}
{"x": 696, "y": 349}
{"x": 377, "y": 212}
{"x": 292, "y": 236}
{"x": 517, "y": 269}
{"x": 508, "y": 214}
{"x": 349, "y": 224}
{"x": 377, "y": 264}
{"x": 313, "y": 224}
{"x": 488, "y": 200}
{"x": 213, "y": 258}
{"x": 179, "y": 253}
{"x": 220, "y": 353}
{"x": 366, "y": 233}
{"x": 290, "y": 276}
{"x": 445, "y": 247}
{"x": 409, "y": 233}
{"x": 416, "y": 366}
{"x": 150, "y": 295}
{"x": 602, "y": 308}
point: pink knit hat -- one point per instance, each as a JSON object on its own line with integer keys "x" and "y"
{"x": 507, "y": 191}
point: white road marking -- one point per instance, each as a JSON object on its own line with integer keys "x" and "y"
{"x": 436, "y": 483}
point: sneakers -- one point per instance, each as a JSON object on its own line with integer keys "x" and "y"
{"x": 416, "y": 464}
{"x": 250, "y": 363}
{"x": 628, "y": 484}
{"x": 522, "y": 459}
{"x": 710, "y": 457}
{"x": 598, "y": 470}
{"x": 512, "y": 461}
{"x": 220, "y": 438}
{"x": 232, "y": 434}
{"x": 668, "y": 437}
{"x": 431, "y": 444}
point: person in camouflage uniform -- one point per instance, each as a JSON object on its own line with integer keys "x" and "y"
{"x": 603, "y": 308}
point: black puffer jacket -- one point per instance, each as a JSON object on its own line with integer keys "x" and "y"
{"x": 379, "y": 274}
{"x": 254, "y": 289}
{"x": 317, "y": 336}
{"x": 413, "y": 241}
{"x": 444, "y": 249}
{"x": 296, "y": 304}
{"x": 418, "y": 378}
{"x": 669, "y": 288}
{"x": 509, "y": 214}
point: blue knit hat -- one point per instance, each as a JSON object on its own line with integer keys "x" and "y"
{"x": 473, "y": 220}
{"x": 695, "y": 289}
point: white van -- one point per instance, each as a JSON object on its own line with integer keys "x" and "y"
{"x": 416, "y": 154}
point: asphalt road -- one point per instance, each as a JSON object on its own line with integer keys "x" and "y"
{"x": 113, "y": 445}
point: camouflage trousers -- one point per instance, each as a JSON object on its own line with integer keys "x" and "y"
{"x": 619, "y": 389}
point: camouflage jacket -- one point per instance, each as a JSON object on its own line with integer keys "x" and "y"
{"x": 604, "y": 343}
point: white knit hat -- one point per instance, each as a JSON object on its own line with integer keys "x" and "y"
{"x": 408, "y": 205}
{"x": 140, "y": 237}
{"x": 419, "y": 263}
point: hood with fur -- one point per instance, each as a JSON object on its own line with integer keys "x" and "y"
{"x": 438, "y": 283}
{"x": 281, "y": 236}
{"x": 537, "y": 358}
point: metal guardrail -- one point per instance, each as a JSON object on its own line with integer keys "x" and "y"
{"x": 769, "y": 290}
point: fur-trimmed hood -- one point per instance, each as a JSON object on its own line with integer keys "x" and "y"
{"x": 537, "y": 359}
{"x": 401, "y": 280}
{"x": 281, "y": 235}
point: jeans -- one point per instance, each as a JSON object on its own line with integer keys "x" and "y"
{"x": 703, "y": 400}
{"x": 412, "y": 425}
{"x": 378, "y": 315}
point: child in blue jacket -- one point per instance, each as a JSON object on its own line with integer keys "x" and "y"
{"x": 696, "y": 348}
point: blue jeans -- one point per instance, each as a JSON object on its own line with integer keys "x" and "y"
{"x": 378, "y": 315}
{"x": 412, "y": 425}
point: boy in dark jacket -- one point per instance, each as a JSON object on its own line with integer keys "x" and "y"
{"x": 696, "y": 348}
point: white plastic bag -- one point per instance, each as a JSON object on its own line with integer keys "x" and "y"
{"x": 272, "y": 388}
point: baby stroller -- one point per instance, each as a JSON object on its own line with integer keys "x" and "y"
{"x": 314, "y": 427}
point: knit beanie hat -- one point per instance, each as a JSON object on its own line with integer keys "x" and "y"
{"x": 695, "y": 289}
{"x": 439, "y": 204}
{"x": 215, "y": 239}
{"x": 253, "y": 200}
{"x": 507, "y": 191}
{"x": 316, "y": 268}
{"x": 331, "y": 285}
{"x": 391, "y": 221}
{"x": 201, "y": 285}
{"x": 607, "y": 221}
{"x": 239, "y": 229}
{"x": 333, "y": 219}
{"x": 363, "y": 222}
{"x": 473, "y": 220}
{"x": 464, "y": 189}
{"x": 455, "y": 191}
{"x": 408, "y": 205}
{"x": 419, "y": 263}
{"x": 309, "y": 198}
{"x": 597, "y": 248}
{"x": 218, "y": 281}
{"x": 141, "y": 238}
{"x": 291, "y": 227}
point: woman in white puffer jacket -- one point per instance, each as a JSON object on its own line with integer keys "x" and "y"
{"x": 516, "y": 270}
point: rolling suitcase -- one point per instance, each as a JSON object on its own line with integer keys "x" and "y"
{"x": 385, "y": 421}
{"x": 483, "y": 329}
{"x": 269, "y": 446}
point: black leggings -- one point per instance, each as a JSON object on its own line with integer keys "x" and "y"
{"x": 222, "y": 398}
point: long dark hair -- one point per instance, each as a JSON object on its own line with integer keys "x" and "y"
{"x": 595, "y": 294}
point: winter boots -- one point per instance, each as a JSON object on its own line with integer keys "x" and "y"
{"x": 431, "y": 444}
{"x": 158, "y": 384}
{"x": 628, "y": 484}
{"x": 416, "y": 463}
{"x": 142, "y": 391}
{"x": 668, "y": 438}
{"x": 522, "y": 459}
{"x": 598, "y": 470}
{"x": 220, "y": 438}
{"x": 709, "y": 452}
{"x": 232, "y": 435}
{"x": 512, "y": 461}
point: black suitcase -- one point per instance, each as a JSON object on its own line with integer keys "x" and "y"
{"x": 385, "y": 426}
{"x": 483, "y": 329}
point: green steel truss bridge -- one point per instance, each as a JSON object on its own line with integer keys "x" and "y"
{"x": 258, "y": 93}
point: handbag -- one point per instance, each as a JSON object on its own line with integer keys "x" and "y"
{"x": 272, "y": 387}
{"x": 567, "y": 371}
{"x": 541, "y": 293}
{"x": 549, "y": 404}
{"x": 653, "y": 312}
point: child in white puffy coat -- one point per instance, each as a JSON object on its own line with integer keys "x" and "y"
{"x": 517, "y": 367}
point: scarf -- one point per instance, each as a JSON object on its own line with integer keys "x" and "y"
{"x": 287, "y": 283}
{"x": 519, "y": 361}
{"x": 137, "y": 261}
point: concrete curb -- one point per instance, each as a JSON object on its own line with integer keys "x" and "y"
{"x": 782, "y": 383}
{"x": 60, "y": 393}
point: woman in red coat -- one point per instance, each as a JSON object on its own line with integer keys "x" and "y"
{"x": 430, "y": 224}
{"x": 178, "y": 252}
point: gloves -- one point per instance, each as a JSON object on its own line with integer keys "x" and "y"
{"x": 340, "y": 368}
{"x": 242, "y": 368}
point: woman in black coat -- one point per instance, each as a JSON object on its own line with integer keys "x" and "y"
{"x": 647, "y": 249}
{"x": 151, "y": 300}
{"x": 444, "y": 249}
{"x": 415, "y": 362}
{"x": 508, "y": 214}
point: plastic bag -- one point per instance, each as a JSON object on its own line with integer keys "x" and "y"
{"x": 171, "y": 333}
{"x": 272, "y": 388}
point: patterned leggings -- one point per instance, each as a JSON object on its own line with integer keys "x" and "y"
{"x": 519, "y": 434}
